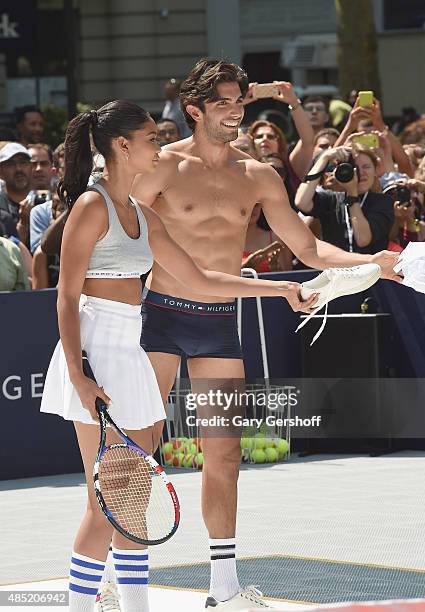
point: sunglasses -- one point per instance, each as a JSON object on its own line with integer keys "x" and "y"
{"x": 262, "y": 136}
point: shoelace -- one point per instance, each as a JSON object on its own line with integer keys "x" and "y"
{"x": 109, "y": 599}
{"x": 251, "y": 593}
{"x": 336, "y": 274}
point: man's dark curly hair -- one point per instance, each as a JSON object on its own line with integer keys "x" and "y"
{"x": 200, "y": 86}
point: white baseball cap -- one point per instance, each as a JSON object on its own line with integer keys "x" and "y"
{"x": 11, "y": 149}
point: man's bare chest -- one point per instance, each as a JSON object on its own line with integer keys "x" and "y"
{"x": 207, "y": 195}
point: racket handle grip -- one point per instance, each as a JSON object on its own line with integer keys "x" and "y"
{"x": 100, "y": 404}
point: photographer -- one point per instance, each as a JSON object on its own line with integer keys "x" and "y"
{"x": 356, "y": 216}
{"x": 408, "y": 202}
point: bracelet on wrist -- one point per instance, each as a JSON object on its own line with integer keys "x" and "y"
{"x": 313, "y": 177}
{"x": 349, "y": 200}
{"x": 293, "y": 107}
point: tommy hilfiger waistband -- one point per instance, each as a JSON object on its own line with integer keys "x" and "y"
{"x": 188, "y": 306}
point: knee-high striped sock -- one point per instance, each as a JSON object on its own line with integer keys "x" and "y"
{"x": 85, "y": 575}
{"x": 132, "y": 569}
{"x": 224, "y": 582}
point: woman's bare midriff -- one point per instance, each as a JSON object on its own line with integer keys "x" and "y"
{"x": 126, "y": 290}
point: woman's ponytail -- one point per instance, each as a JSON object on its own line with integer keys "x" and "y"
{"x": 114, "y": 119}
{"x": 78, "y": 157}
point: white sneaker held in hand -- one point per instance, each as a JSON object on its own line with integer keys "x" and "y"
{"x": 336, "y": 282}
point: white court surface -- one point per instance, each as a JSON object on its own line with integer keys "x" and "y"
{"x": 356, "y": 510}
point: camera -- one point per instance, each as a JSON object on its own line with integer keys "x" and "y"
{"x": 39, "y": 197}
{"x": 401, "y": 194}
{"x": 344, "y": 172}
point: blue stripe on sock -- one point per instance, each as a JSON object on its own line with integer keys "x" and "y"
{"x": 81, "y": 576}
{"x": 81, "y": 589}
{"x": 132, "y": 568}
{"x": 95, "y": 566}
{"x": 131, "y": 557}
{"x": 132, "y": 580}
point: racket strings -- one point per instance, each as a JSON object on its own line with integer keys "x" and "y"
{"x": 135, "y": 494}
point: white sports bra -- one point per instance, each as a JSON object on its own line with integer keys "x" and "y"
{"x": 116, "y": 255}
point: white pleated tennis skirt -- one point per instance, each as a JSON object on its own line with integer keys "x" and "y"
{"x": 110, "y": 334}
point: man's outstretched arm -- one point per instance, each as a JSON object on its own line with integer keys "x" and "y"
{"x": 314, "y": 253}
{"x": 338, "y": 258}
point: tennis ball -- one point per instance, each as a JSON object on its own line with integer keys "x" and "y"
{"x": 178, "y": 460}
{"x": 166, "y": 448}
{"x": 193, "y": 449}
{"x": 271, "y": 455}
{"x": 282, "y": 447}
{"x": 177, "y": 443}
{"x": 188, "y": 461}
{"x": 258, "y": 456}
{"x": 269, "y": 442}
{"x": 260, "y": 443}
{"x": 168, "y": 458}
{"x": 199, "y": 461}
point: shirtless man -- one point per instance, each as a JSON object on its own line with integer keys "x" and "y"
{"x": 204, "y": 190}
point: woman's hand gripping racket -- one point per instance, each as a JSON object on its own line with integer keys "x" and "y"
{"x": 131, "y": 488}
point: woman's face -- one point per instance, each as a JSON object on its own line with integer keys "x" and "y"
{"x": 143, "y": 148}
{"x": 366, "y": 172}
{"x": 265, "y": 141}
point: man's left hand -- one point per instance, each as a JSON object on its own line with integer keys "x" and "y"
{"x": 387, "y": 260}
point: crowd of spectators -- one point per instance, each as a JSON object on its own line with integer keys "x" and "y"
{"x": 357, "y": 182}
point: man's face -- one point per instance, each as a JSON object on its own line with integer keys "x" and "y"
{"x": 42, "y": 168}
{"x": 316, "y": 112}
{"x": 31, "y": 127}
{"x": 16, "y": 173}
{"x": 222, "y": 118}
{"x": 167, "y": 132}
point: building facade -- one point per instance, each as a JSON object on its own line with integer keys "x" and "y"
{"x": 129, "y": 48}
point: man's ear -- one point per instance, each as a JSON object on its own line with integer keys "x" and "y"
{"x": 194, "y": 112}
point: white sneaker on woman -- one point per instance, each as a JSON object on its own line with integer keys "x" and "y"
{"x": 336, "y": 282}
{"x": 108, "y": 599}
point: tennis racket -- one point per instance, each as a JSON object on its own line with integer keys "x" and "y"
{"x": 132, "y": 489}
